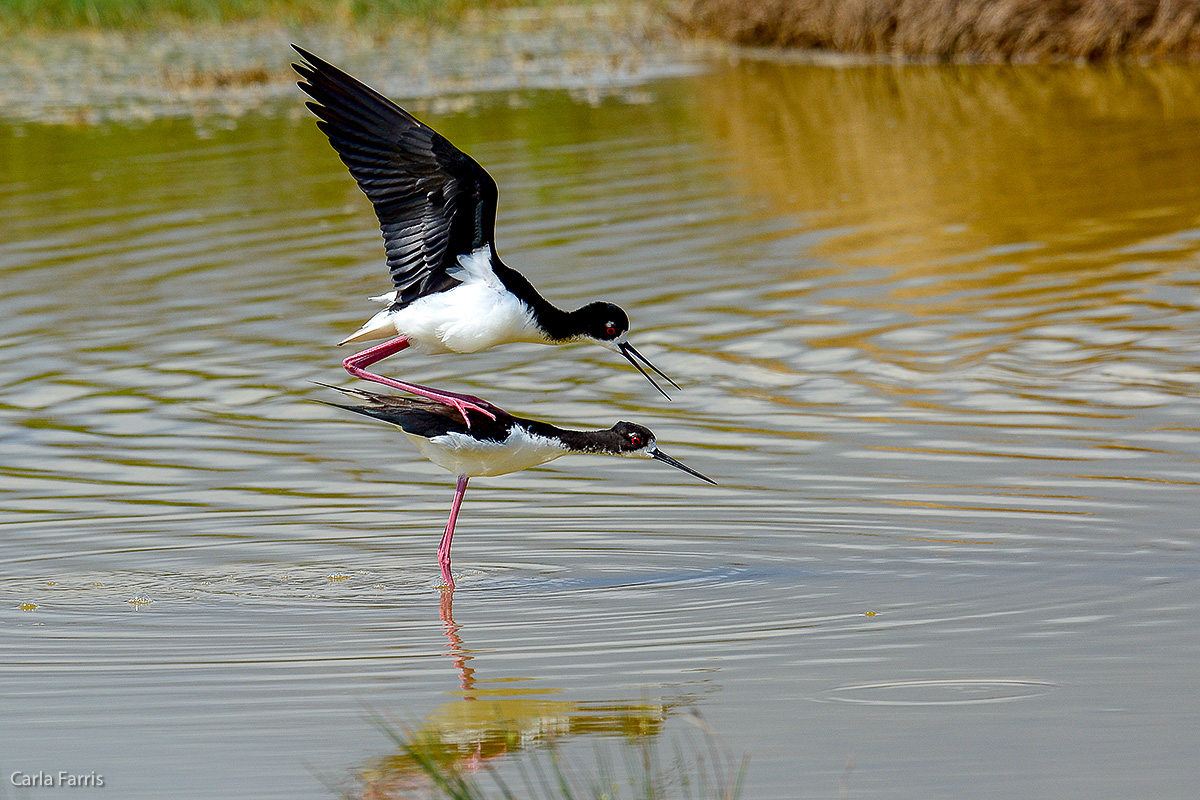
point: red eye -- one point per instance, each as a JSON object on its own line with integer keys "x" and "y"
{"x": 611, "y": 330}
{"x": 635, "y": 440}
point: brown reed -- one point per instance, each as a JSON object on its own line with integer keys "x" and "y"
{"x": 958, "y": 30}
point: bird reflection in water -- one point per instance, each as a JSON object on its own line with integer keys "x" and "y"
{"x": 494, "y": 719}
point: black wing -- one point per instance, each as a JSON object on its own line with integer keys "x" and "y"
{"x": 434, "y": 202}
{"x": 428, "y": 418}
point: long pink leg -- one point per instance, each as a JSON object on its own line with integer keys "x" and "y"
{"x": 444, "y": 548}
{"x": 356, "y": 363}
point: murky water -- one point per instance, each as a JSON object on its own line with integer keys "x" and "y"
{"x": 938, "y": 331}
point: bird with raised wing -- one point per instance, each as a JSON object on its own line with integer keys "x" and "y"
{"x": 437, "y": 211}
{"x": 495, "y": 443}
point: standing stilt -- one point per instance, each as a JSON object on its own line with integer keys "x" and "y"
{"x": 497, "y": 446}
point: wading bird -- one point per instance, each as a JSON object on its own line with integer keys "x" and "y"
{"x": 437, "y": 210}
{"x": 495, "y": 443}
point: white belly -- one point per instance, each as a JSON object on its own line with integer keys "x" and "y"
{"x": 477, "y": 314}
{"x": 462, "y": 455}
{"x": 465, "y": 319}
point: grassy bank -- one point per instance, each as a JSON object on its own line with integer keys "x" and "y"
{"x": 150, "y": 14}
{"x": 960, "y": 30}
{"x": 90, "y": 74}
{"x": 967, "y": 30}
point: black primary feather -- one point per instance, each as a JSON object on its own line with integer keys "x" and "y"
{"x": 434, "y": 202}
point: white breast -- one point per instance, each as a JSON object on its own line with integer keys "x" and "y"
{"x": 478, "y": 314}
{"x": 462, "y": 455}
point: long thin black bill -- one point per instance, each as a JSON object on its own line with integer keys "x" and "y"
{"x": 629, "y": 352}
{"x": 666, "y": 459}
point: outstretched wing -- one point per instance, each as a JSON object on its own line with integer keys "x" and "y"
{"x": 434, "y": 202}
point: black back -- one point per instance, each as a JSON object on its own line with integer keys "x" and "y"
{"x": 429, "y": 418}
{"x": 433, "y": 201}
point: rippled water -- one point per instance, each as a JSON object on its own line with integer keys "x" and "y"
{"x": 938, "y": 331}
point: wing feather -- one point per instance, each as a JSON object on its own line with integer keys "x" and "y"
{"x": 422, "y": 417}
{"x": 434, "y": 202}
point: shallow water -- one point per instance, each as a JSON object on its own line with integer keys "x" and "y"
{"x": 938, "y": 330}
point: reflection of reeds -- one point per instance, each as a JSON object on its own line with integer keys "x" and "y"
{"x": 952, "y": 197}
{"x": 999, "y": 153}
{"x": 640, "y": 772}
{"x": 992, "y": 30}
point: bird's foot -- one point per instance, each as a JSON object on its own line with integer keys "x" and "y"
{"x": 464, "y": 405}
{"x": 447, "y": 577}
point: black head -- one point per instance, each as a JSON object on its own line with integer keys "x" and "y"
{"x": 636, "y": 441}
{"x": 608, "y": 325}
{"x": 632, "y": 438}
{"x": 604, "y": 322}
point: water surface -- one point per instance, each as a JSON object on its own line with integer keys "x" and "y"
{"x": 938, "y": 330}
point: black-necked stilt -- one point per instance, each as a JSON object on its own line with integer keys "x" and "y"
{"x": 437, "y": 210}
{"x": 496, "y": 443}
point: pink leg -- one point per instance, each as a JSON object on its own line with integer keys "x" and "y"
{"x": 355, "y": 366}
{"x": 444, "y": 549}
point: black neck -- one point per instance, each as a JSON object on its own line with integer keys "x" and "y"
{"x": 576, "y": 441}
{"x": 558, "y": 324}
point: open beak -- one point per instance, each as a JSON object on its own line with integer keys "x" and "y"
{"x": 659, "y": 455}
{"x": 630, "y": 354}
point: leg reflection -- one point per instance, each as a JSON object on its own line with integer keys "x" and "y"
{"x": 466, "y": 675}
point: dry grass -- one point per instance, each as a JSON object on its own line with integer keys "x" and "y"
{"x": 158, "y": 14}
{"x": 967, "y": 30}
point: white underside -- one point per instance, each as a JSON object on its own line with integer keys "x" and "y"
{"x": 478, "y": 314}
{"x": 462, "y": 455}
